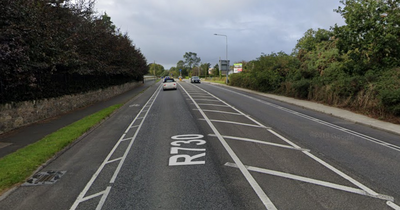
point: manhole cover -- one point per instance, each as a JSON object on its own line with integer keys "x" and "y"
{"x": 49, "y": 177}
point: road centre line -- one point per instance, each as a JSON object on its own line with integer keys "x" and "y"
{"x": 314, "y": 181}
{"x": 235, "y": 123}
{"x": 217, "y": 111}
{"x": 81, "y": 197}
{"x": 338, "y": 172}
{"x": 351, "y": 132}
{"x": 260, "y": 142}
{"x": 250, "y": 179}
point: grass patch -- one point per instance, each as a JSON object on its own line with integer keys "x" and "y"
{"x": 18, "y": 166}
{"x": 221, "y": 80}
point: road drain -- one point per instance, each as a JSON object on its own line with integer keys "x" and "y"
{"x": 41, "y": 178}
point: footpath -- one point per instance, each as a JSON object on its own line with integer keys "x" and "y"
{"x": 21, "y": 137}
{"x": 341, "y": 113}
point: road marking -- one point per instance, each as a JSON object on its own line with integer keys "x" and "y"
{"x": 217, "y": 111}
{"x": 206, "y": 100}
{"x": 343, "y": 175}
{"x": 351, "y": 132}
{"x": 261, "y": 142}
{"x": 236, "y": 123}
{"x": 200, "y": 104}
{"x": 314, "y": 181}
{"x": 250, "y": 179}
{"x": 81, "y": 197}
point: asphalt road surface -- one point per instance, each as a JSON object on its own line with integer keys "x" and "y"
{"x": 209, "y": 147}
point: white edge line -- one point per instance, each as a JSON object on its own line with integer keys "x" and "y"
{"x": 250, "y": 179}
{"x": 116, "y": 172}
{"x": 91, "y": 181}
{"x": 348, "y": 131}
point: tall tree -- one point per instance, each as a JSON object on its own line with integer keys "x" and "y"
{"x": 371, "y": 34}
{"x": 191, "y": 59}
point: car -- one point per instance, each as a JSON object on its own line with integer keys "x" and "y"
{"x": 169, "y": 84}
{"x": 195, "y": 79}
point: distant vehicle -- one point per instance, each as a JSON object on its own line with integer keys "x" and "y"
{"x": 169, "y": 84}
{"x": 195, "y": 79}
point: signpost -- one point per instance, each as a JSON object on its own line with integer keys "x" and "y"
{"x": 224, "y": 68}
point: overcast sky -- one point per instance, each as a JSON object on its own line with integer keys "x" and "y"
{"x": 165, "y": 29}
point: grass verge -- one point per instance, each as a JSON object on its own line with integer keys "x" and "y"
{"x": 217, "y": 80}
{"x": 18, "y": 166}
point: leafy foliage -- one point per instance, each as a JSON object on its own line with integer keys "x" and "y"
{"x": 51, "y": 49}
{"x": 355, "y": 65}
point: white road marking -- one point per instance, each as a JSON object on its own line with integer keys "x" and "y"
{"x": 81, "y": 197}
{"x": 250, "y": 179}
{"x": 261, "y": 142}
{"x": 206, "y": 100}
{"x": 314, "y": 181}
{"x": 200, "y": 104}
{"x": 354, "y": 133}
{"x": 236, "y": 123}
{"x": 217, "y": 111}
{"x": 369, "y": 191}
{"x": 393, "y": 205}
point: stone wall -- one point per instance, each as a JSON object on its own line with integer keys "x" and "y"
{"x": 15, "y": 115}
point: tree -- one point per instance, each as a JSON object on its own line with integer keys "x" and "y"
{"x": 371, "y": 35}
{"x": 215, "y": 71}
{"x": 204, "y": 69}
{"x": 191, "y": 59}
{"x": 182, "y": 68}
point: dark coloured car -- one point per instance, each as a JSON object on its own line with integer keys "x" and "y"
{"x": 195, "y": 79}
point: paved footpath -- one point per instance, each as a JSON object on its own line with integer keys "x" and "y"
{"x": 19, "y": 138}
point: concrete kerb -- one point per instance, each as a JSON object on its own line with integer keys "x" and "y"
{"x": 341, "y": 113}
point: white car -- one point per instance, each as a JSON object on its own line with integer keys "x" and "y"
{"x": 169, "y": 84}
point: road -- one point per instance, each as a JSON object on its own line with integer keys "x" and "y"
{"x": 210, "y": 147}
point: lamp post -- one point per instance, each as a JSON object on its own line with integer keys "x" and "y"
{"x": 226, "y": 38}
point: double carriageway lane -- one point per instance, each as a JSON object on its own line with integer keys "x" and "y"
{"x": 206, "y": 147}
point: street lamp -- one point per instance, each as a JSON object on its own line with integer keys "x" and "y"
{"x": 226, "y": 38}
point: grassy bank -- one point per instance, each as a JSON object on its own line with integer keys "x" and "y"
{"x": 18, "y": 166}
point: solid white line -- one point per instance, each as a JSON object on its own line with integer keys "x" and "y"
{"x": 116, "y": 159}
{"x": 351, "y": 132}
{"x": 393, "y": 205}
{"x": 345, "y": 176}
{"x": 261, "y": 142}
{"x": 236, "y": 123}
{"x": 200, "y": 104}
{"x": 81, "y": 196}
{"x": 217, "y": 111}
{"x": 250, "y": 179}
{"x": 314, "y": 181}
{"x": 205, "y": 100}
{"x": 92, "y": 196}
{"x": 103, "y": 198}
{"x": 248, "y": 117}
{"x": 131, "y": 143}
